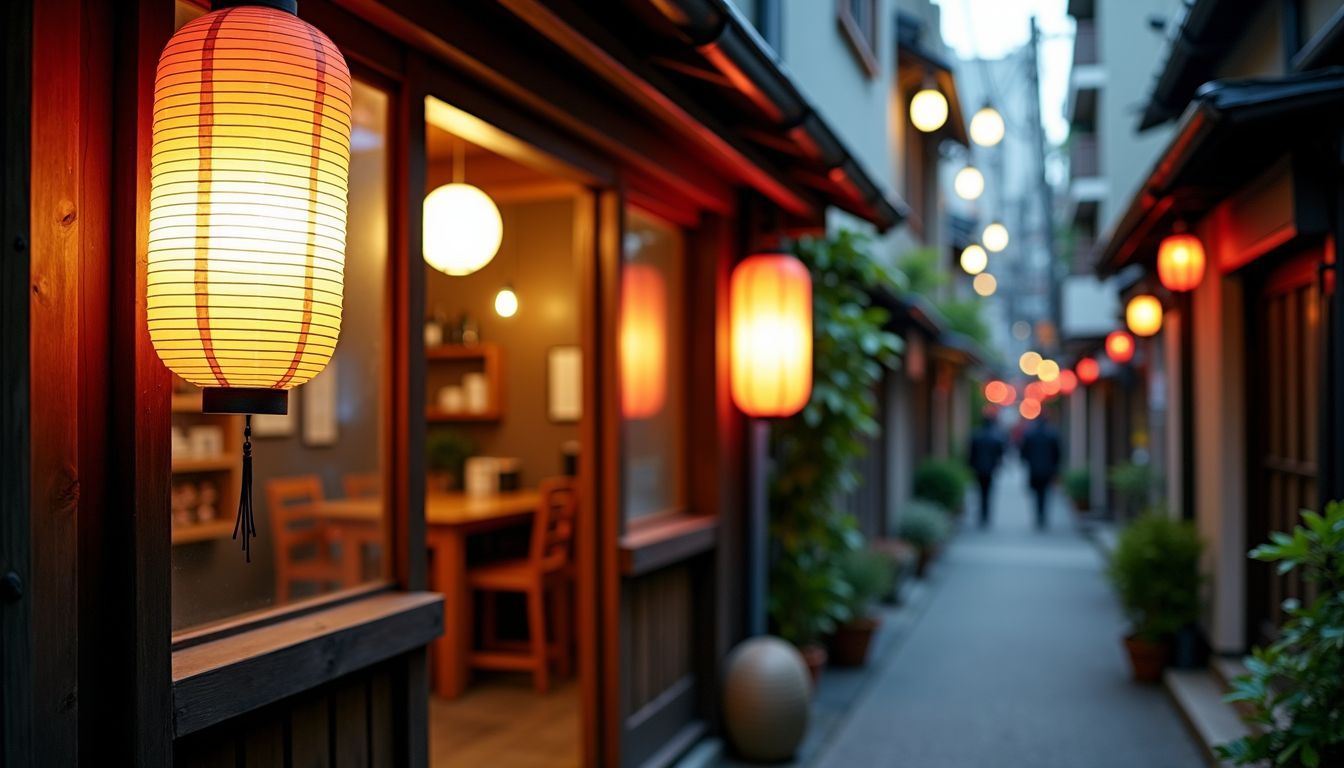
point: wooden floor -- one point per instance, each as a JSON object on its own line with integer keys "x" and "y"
{"x": 501, "y": 722}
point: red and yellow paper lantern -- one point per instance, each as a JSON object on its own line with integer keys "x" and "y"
{"x": 1068, "y": 382}
{"x": 1143, "y": 315}
{"x": 643, "y": 341}
{"x": 1120, "y": 347}
{"x": 770, "y": 317}
{"x": 1088, "y": 370}
{"x": 1180, "y": 262}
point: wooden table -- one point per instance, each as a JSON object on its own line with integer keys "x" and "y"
{"x": 450, "y": 519}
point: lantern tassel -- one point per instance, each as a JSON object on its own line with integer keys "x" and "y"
{"x": 246, "y": 523}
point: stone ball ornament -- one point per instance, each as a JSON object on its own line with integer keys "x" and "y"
{"x": 766, "y": 694}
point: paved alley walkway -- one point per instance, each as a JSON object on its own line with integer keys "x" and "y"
{"x": 1017, "y": 662}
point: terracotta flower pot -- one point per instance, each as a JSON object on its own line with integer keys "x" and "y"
{"x": 1146, "y": 659}
{"x": 815, "y": 656}
{"x": 849, "y": 646}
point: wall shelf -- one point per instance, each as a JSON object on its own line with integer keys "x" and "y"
{"x": 223, "y": 463}
{"x": 486, "y": 358}
{"x": 215, "y": 529}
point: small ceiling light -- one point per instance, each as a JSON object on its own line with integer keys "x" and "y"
{"x": 995, "y": 237}
{"x": 1028, "y": 362}
{"x": 506, "y": 302}
{"x": 987, "y": 127}
{"x": 1143, "y": 315}
{"x": 969, "y": 183}
{"x": 1047, "y": 371}
{"x": 928, "y": 109}
{"x": 974, "y": 259}
{"x": 985, "y": 284}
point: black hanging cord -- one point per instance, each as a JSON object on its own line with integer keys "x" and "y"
{"x": 246, "y": 523}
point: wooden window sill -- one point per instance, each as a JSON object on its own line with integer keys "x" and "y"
{"x": 221, "y": 679}
{"x": 652, "y": 544}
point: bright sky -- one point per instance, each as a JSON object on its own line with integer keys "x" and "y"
{"x": 992, "y": 28}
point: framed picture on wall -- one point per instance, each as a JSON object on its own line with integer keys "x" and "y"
{"x": 564, "y": 383}
{"x": 276, "y": 425}
{"x": 319, "y": 408}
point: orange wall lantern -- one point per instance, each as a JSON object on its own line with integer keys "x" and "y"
{"x": 1068, "y": 382}
{"x": 1143, "y": 315}
{"x": 1120, "y": 347}
{"x": 247, "y": 208}
{"x": 996, "y": 392}
{"x": 643, "y": 340}
{"x": 771, "y": 321}
{"x": 1180, "y": 262}
{"x": 1088, "y": 370}
{"x": 1030, "y": 409}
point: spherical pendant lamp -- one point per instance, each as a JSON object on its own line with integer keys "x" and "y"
{"x": 987, "y": 127}
{"x": 1180, "y": 262}
{"x": 1120, "y": 347}
{"x": 249, "y": 169}
{"x": 506, "y": 302}
{"x": 974, "y": 259}
{"x": 995, "y": 237}
{"x": 1143, "y": 315}
{"x": 969, "y": 183}
{"x": 643, "y": 341}
{"x": 770, "y": 317}
{"x": 985, "y": 284}
{"x": 462, "y": 229}
{"x": 928, "y": 109}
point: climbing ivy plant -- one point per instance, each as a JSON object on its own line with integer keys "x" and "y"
{"x": 814, "y": 451}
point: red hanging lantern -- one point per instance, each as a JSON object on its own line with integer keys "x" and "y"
{"x": 1088, "y": 370}
{"x": 770, "y": 316}
{"x": 1068, "y": 382}
{"x": 643, "y": 339}
{"x": 1180, "y": 262}
{"x": 996, "y": 392}
{"x": 1120, "y": 347}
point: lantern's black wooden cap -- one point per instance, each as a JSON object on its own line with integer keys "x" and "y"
{"x": 288, "y": 6}
{"x": 244, "y": 400}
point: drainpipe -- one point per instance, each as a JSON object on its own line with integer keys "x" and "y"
{"x": 1332, "y": 457}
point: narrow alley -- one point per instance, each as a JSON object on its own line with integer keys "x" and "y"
{"x": 1016, "y": 661}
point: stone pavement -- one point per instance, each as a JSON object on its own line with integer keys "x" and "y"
{"x": 1016, "y": 662}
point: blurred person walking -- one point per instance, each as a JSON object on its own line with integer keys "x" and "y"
{"x": 1040, "y": 450}
{"x": 987, "y": 446}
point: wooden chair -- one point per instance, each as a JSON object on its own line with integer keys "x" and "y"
{"x": 546, "y": 569}
{"x": 289, "y": 502}
{"x": 362, "y": 485}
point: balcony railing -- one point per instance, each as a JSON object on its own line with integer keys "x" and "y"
{"x": 1085, "y": 43}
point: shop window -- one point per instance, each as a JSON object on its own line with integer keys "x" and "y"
{"x": 652, "y": 366}
{"x": 318, "y": 473}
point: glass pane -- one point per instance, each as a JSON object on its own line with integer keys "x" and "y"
{"x": 318, "y": 472}
{"x": 652, "y": 366}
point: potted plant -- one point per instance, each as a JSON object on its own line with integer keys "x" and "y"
{"x": 943, "y": 482}
{"x": 446, "y": 453}
{"x": 925, "y": 525}
{"x": 1133, "y": 484}
{"x": 870, "y": 575}
{"x": 1295, "y": 687}
{"x": 1155, "y": 571}
{"x": 814, "y": 451}
{"x": 1078, "y": 487}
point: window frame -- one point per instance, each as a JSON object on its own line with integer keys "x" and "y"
{"x": 862, "y": 38}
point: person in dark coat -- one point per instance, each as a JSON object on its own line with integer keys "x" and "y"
{"x": 1040, "y": 451}
{"x": 987, "y": 446}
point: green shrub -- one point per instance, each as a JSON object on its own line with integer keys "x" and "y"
{"x": 942, "y": 481}
{"x": 1155, "y": 571}
{"x": 1134, "y": 482}
{"x": 1078, "y": 486}
{"x": 1295, "y": 687}
{"x": 924, "y": 524}
{"x": 870, "y": 575}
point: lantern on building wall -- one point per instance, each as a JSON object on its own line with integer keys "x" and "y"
{"x": 928, "y": 109}
{"x": 1143, "y": 315}
{"x": 1068, "y": 382}
{"x": 770, "y": 317}
{"x": 1088, "y": 370}
{"x": 643, "y": 341}
{"x": 1180, "y": 262}
{"x": 1120, "y": 347}
{"x": 247, "y": 209}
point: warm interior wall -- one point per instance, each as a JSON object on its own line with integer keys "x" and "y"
{"x": 538, "y": 258}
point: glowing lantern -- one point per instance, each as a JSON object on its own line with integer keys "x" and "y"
{"x": 1143, "y": 315}
{"x": 249, "y": 169}
{"x": 969, "y": 183}
{"x": 1030, "y": 408}
{"x": 1068, "y": 382}
{"x": 771, "y": 346}
{"x": 643, "y": 340}
{"x": 1010, "y": 396}
{"x": 974, "y": 259}
{"x": 1180, "y": 262}
{"x": 1028, "y": 362}
{"x": 928, "y": 109}
{"x": 1047, "y": 370}
{"x": 506, "y": 302}
{"x": 1120, "y": 347}
{"x": 1088, "y": 370}
{"x": 995, "y": 237}
{"x": 996, "y": 391}
{"x": 462, "y": 229}
{"x": 987, "y": 127}
{"x": 1034, "y": 391}
{"x": 1050, "y": 388}
{"x": 985, "y": 284}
